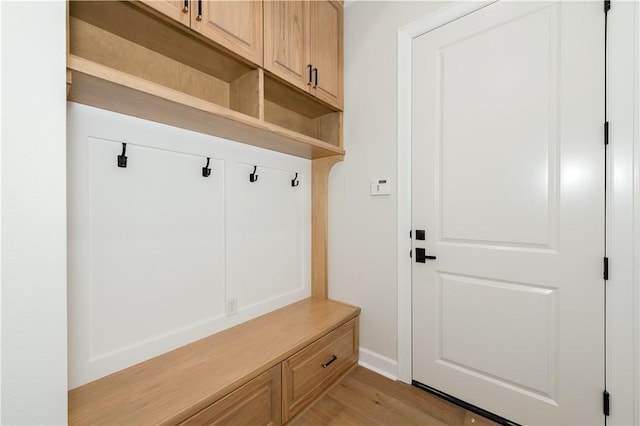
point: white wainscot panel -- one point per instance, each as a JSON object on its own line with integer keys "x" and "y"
{"x": 268, "y": 236}
{"x": 157, "y": 244}
{"x": 485, "y": 199}
{"x": 514, "y": 322}
{"x": 156, "y": 249}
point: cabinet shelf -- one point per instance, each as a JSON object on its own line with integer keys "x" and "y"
{"x": 288, "y": 107}
{"x": 104, "y": 87}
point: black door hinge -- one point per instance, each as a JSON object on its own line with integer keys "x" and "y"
{"x": 411, "y": 253}
{"x": 605, "y": 403}
{"x": 605, "y": 274}
{"x": 606, "y": 133}
{"x": 607, "y": 5}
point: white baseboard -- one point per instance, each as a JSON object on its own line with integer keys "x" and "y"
{"x": 379, "y": 363}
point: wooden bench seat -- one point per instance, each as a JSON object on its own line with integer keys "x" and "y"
{"x": 173, "y": 387}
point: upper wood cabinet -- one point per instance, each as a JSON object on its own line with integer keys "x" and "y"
{"x": 235, "y": 25}
{"x": 303, "y": 45}
{"x": 286, "y": 41}
{"x": 326, "y": 51}
{"x": 177, "y": 10}
{"x": 136, "y": 58}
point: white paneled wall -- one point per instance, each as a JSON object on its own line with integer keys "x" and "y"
{"x": 33, "y": 214}
{"x": 267, "y": 254}
{"x": 156, "y": 250}
{"x": 156, "y": 245}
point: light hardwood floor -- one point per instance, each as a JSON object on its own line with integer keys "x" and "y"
{"x": 365, "y": 398}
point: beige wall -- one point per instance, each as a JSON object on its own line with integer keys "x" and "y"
{"x": 362, "y": 231}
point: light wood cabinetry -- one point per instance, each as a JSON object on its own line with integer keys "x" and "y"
{"x": 178, "y": 10}
{"x": 126, "y": 59}
{"x": 286, "y": 41}
{"x": 289, "y": 108}
{"x": 326, "y": 25}
{"x": 256, "y": 403}
{"x": 307, "y": 374}
{"x": 234, "y": 25}
{"x": 303, "y": 46}
{"x": 232, "y": 377}
{"x": 135, "y": 59}
{"x": 147, "y": 60}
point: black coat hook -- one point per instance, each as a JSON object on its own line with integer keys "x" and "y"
{"x": 206, "y": 171}
{"x": 122, "y": 159}
{"x": 295, "y": 181}
{"x": 253, "y": 176}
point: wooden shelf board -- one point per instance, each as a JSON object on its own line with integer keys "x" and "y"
{"x": 293, "y": 98}
{"x": 103, "y": 87}
{"x": 174, "y": 386}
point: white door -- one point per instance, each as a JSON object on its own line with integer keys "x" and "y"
{"x": 508, "y": 183}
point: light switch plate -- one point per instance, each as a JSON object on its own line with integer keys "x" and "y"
{"x": 380, "y": 187}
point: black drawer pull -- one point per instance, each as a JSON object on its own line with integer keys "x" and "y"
{"x": 328, "y": 363}
{"x": 199, "y": 17}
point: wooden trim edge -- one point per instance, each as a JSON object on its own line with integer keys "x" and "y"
{"x": 320, "y": 169}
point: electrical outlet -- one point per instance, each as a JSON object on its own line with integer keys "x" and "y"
{"x": 231, "y": 308}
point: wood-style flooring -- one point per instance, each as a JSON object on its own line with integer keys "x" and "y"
{"x": 363, "y": 397}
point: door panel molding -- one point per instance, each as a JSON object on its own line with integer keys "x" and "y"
{"x": 406, "y": 35}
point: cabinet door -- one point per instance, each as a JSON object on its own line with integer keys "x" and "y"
{"x": 286, "y": 41}
{"x": 178, "y": 10}
{"x": 236, "y": 25}
{"x": 255, "y": 403}
{"x": 326, "y": 51}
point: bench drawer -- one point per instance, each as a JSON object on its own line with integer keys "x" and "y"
{"x": 311, "y": 371}
{"x": 254, "y": 403}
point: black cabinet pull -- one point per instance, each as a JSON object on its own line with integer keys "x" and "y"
{"x": 185, "y": 8}
{"x": 310, "y": 74}
{"x": 199, "y": 17}
{"x": 315, "y": 71}
{"x": 328, "y": 363}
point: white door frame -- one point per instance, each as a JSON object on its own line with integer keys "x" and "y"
{"x": 623, "y": 200}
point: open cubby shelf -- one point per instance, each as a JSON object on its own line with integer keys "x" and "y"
{"x": 125, "y": 58}
{"x": 288, "y": 107}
